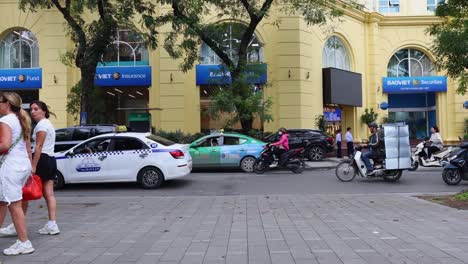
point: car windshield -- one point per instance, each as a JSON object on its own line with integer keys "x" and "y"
{"x": 160, "y": 140}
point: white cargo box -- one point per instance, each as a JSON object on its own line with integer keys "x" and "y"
{"x": 397, "y": 146}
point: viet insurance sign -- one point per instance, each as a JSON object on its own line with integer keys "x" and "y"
{"x": 21, "y": 78}
{"x": 123, "y": 76}
{"x": 213, "y": 74}
{"x": 414, "y": 84}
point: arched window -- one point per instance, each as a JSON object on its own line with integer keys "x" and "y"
{"x": 230, "y": 43}
{"x": 128, "y": 49}
{"x": 409, "y": 63}
{"x": 19, "y": 49}
{"x": 335, "y": 54}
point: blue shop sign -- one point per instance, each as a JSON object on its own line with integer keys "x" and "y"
{"x": 332, "y": 115}
{"x": 123, "y": 76}
{"x": 420, "y": 84}
{"x": 21, "y": 78}
{"x": 208, "y": 74}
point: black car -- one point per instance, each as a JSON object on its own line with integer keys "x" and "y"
{"x": 66, "y": 138}
{"x": 319, "y": 143}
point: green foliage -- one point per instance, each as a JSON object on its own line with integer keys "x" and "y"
{"x": 450, "y": 44}
{"x": 369, "y": 116}
{"x": 465, "y": 136}
{"x": 321, "y": 123}
{"x": 97, "y": 108}
{"x": 462, "y": 196}
{"x": 179, "y": 136}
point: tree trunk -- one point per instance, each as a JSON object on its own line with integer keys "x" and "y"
{"x": 87, "y": 83}
{"x": 246, "y": 125}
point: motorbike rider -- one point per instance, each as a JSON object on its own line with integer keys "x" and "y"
{"x": 282, "y": 145}
{"x": 374, "y": 145}
{"x": 436, "y": 143}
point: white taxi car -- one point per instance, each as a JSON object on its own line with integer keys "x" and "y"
{"x": 123, "y": 157}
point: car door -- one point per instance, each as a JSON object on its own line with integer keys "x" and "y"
{"x": 124, "y": 158}
{"x": 232, "y": 151}
{"x": 86, "y": 164}
{"x": 206, "y": 152}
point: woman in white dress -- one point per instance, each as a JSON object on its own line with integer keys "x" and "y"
{"x": 15, "y": 145}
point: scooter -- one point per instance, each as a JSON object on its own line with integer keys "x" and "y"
{"x": 292, "y": 160}
{"x": 419, "y": 157}
{"x": 456, "y": 169}
{"x": 348, "y": 168}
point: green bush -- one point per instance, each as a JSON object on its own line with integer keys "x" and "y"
{"x": 369, "y": 116}
{"x": 179, "y": 136}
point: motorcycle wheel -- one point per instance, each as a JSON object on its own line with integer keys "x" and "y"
{"x": 451, "y": 176}
{"x": 259, "y": 167}
{"x": 414, "y": 165}
{"x": 298, "y": 168}
{"x": 345, "y": 171}
{"x": 392, "y": 175}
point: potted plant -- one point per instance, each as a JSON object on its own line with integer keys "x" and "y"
{"x": 369, "y": 116}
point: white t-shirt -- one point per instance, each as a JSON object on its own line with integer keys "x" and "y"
{"x": 46, "y": 126}
{"x": 338, "y": 137}
{"x": 349, "y": 137}
{"x": 20, "y": 149}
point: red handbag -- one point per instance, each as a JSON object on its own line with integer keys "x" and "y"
{"x": 32, "y": 190}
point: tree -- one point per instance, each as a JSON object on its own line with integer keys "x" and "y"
{"x": 369, "y": 116}
{"x": 187, "y": 20}
{"x": 451, "y": 40}
{"x": 91, "y": 25}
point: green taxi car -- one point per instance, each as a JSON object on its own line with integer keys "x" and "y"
{"x": 226, "y": 150}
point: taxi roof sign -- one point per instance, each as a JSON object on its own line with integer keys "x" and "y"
{"x": 120, "y": 129}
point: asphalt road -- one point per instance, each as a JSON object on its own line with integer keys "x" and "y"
{"x": 227, "y": 183}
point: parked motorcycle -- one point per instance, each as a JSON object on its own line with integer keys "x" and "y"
{"x": 348, "y": 168}
{"x": 456, "y": 169}
{"x": 292, "y": 160}
{"x": 419, "y": 157}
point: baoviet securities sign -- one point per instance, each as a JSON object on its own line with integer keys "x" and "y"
{"x": 419, "y": 84}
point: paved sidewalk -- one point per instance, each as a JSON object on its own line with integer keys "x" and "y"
{"x": 327, "y": 229}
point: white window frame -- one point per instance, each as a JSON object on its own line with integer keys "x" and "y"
{"x": 30, "y": 42}
{"x": 336, "y": 57}
{"x": 432, "y": 7}
{"x": 390, "y": 5}
{"x": 117, "y": 42}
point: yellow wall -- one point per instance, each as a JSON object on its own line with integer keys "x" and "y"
{"x": 293, "y": 53}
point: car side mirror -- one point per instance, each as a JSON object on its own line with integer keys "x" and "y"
{"x": 70, "y": 153}
{"x": 194, "y": 145}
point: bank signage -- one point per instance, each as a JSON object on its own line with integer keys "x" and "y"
{"x": 123, "y": 76}
{"x": 21, "y": 78}
{"x": 332, "y": 114}
{"x": 208, "y": 74}
{"x": 414, "y": 84}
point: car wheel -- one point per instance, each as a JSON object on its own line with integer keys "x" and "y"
{"x": 150, "y": 178}
{"x": 59, "y": 181}
{"x": 316, "y": 153}
{"x": 247, "y": 164}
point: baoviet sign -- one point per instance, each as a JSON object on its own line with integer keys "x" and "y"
{"x": 21, "y": 78}
{"x": 419, "y": 84}
{"x": 123, "y": 76}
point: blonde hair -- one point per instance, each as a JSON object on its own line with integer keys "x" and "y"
{"x": 15, "y": 105}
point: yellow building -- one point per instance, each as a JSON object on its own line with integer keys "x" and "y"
{"x": 386, "y": 39}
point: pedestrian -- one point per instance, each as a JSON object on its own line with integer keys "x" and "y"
{"x": 338, "y": 144}
{"x": 15, "y": 167}
{"x": 349, "y": 142}
{"x": 43, "y": 164}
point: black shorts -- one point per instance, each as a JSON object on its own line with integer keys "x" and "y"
{"x": 46, "y": 167}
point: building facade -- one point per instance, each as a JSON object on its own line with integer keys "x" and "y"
{"x": 383, "y": 45}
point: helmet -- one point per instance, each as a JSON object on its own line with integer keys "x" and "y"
{"x": 373, "y": 124}
{"x": 282, "y": 129}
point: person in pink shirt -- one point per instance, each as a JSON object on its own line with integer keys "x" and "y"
{"x": 283, "y": 144}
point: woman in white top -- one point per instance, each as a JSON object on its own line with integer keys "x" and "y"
{"x": 15, "y": 131}
{"x": 338, "y": 144}
{"x": 436, "y": 141}
{"x": 43, "y": 164}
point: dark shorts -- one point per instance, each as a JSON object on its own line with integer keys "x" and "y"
{"x": 46, "y": 167}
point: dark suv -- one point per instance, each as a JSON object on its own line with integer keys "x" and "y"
{"x": 319, "y": 143}
{"x": 66, "y": 138}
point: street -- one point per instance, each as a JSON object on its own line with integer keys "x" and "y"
{"x": 234, "y": 218}
{"x": 219, "y": 183}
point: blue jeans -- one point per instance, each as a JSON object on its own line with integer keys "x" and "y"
{"x": 366, "y": 159}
